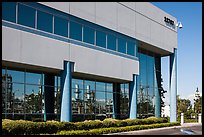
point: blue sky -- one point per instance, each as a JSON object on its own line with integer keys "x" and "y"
{"x": 189, "y": 51}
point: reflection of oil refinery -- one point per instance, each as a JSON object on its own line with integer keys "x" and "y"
{"x": 86, "y": 101}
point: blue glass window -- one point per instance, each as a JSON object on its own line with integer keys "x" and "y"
{"x": 26, "y": 16}
{"x": 75, "y": 31}
{"x": 101, "y": 39}
{"x": 44, "y": 21}
{"x": 111, "y": 42}
{"x": 88, "y": 35}
{"x": 131, "y": 48}
{"x": 61, "y": 26}
{"x": 121, "y": 45}
{"x": 9, "y": 11}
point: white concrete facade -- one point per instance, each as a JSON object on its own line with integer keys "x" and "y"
{"x": 142, "y": 21}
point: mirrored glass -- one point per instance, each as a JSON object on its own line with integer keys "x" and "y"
{"x": 150, "y": 71}
{"x": 33, "y": 78}
{"x": 18, "y": 93}
{"x": 33, "y": 99}
{"x": 100, "y": 102}
{"x": 15, "y": 76}
{"x": 100, "y": 86}
{"x": 109, "y": 87}
{"x": 109, "y": 105}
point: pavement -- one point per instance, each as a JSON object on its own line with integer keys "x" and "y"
{"x": 184, "y": 129}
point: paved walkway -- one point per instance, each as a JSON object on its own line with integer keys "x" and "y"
{"x": 155, "y": 130}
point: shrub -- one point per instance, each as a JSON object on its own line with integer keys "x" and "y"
{"x": 23, "y": 127}
{"x": 115, "y": 129}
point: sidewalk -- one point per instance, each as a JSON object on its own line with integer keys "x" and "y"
{"x": 157, "y": 129}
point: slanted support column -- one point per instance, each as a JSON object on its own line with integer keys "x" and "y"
{"x": 49, "y": 81}
{"x": 133, "y": 98}
{"x": 66, "y": 100}
{"x": 157, "y": 83}
{"x": 116, "y": 100}
{"x": 173, "y": 85}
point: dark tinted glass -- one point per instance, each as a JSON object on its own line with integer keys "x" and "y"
{"x": 61, "y": 26}
{"x": 131, "y": 48}
{"x": 100, "y": 39}
{"x": 9, "y": 11}
{"x": 111, "y": 42}
{"x": 26, "y": 16}
{"x": 44, "y": 21}
{"x": 75, "y": 31}
{"x": 121, "y": 45}
{"x": 88, "y": 35}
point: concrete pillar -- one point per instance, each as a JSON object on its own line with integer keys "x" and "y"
{"x": 116, "y": 100}
{"x": 49, "y": 82}
{"x": 199, "y": 118}
{"x": 157, "y": 84}
{"x": 182, "y": 118}
{"x": 66, "y": 100}
{"x": 173, "y": 85}
{"x": 133, "y": 98}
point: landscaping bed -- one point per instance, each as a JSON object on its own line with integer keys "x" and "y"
{"x": 88, "y": 127}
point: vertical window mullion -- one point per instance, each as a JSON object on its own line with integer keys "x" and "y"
{"x": 135, "y": 50}
{"x": 106, "y": 41}
{"x": 36, "y": 19}
{"x": 82, "y": 31}
{"x": 53, "y": 29}
{"x": 116, "y": 44}
{"x": 68, "y": 26}
{"x": 126, "y": 47}
{"x": 95, "y": 37}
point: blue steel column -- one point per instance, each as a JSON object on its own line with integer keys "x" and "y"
{"x": 66, "y": 101}
{"x": 133, "y": 97}
{"x": 157, "y": 83}
{"x": 173, "y": 85}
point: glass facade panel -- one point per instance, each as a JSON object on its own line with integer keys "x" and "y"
{"x": 25, "y": 101}
{"x": 18, "y": 96}
{"x": 9, "y": 11}
{"x": 101, "y": 39}
{"x": 15, "y": 76}
{"x": 33, "y": 99}
{"x": 109, "y": 87}
{"x": 121, "y": 45}
{"x": 131, "y": 48}
{"x": 146, "y": 99}
{"x": 26, "y": 16}
{"x": 143, "y": 70}
{"x": 75, "y": 31}
{"x": 100, "y": 103}
{"x": 111, "y": 42}
{"x": 88, "y": 35}
{"x": 61, "y": 26}
{"x": 109, "y": 105}
{"x": 33, "y": 78}
{"x": 44, "y": 21}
